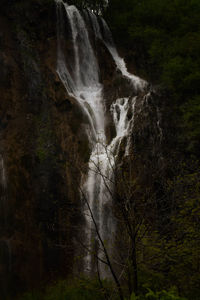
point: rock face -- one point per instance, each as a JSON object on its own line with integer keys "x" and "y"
{"x": 40, "y": 134}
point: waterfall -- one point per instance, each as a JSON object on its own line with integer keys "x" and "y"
{"x": 123, "y": 125}
{"x": 107, "y": 39}
{"x": 81, "y": 80}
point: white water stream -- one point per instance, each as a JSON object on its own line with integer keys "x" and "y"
{"x": 106, "y": 38}
{"x": 81, "y": 79}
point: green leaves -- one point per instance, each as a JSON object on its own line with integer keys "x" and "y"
{"x": 133, "y": 297}
{"x": 164, "y": 39}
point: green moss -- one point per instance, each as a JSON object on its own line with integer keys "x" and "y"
{"x": 45, "y": 138}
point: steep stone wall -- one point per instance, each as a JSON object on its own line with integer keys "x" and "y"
{"x": 40, "y": 136}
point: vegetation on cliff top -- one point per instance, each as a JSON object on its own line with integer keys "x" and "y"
{"x": 163, "y": 38}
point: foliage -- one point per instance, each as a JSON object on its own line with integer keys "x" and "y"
{"x": 78, "y": 289}
{"x": 184, "y": 245}
{"x": 88, "y": 289}
{"x": 164, "y": 38}
{"x": 162, "y": 295}
{"x": 174, "y": 250}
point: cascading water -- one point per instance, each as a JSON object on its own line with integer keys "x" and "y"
{"x": 82, "y": 82}
{"x": 106, "y": 38}
{"x": 123, "y": 125}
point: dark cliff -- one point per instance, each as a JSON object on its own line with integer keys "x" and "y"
{"x": 40, "y": 129}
